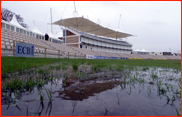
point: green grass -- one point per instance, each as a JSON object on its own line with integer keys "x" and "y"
{"x": 75, "y": 67}
{"x": 13, "y": 64}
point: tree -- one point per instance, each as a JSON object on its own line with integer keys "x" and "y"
{"x": 7, "y": 15}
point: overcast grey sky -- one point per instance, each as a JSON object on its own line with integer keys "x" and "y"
{"x": 157, "y": 24}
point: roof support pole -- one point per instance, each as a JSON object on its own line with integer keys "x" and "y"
{"x": 75, "y": 5}
{"x": 51, "y": 20}
{"x": 119, "y": 20}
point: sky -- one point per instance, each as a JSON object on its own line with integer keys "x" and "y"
{"x": 156, "y": 25}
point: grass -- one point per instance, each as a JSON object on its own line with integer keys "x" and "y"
{"x": 130, "y": 70}
{"x": 75, "y": 67}
{"x": 49, "y": 94}
{"x": 13, "y": 64}
{"x": 41, "y": 96}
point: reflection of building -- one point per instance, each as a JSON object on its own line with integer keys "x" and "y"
{"x": 74, "y": 38}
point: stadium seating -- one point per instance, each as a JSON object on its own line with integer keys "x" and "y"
{"x": 7, "y": 38}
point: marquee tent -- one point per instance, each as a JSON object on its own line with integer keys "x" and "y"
{"x": 36, "y": 30}
{"x": 15, "y": 23}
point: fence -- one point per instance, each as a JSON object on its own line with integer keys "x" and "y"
{"x": 45, "y": 51}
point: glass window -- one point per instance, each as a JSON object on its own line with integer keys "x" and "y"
{"x": 17, "y": 30}
{"x": 37, "y": 36}
{"x": 7, "y": 26}
{"x": 64, "y": 32}
{"x": 21, "y": 31}
{"x": 24, "y": 32}
{"x": 63, "y": 40}
{"x": 3, "y": 25}
{"x": 12, "y": 28}
{"x": 27, "y": 33}
{"x": 30, "y": 33}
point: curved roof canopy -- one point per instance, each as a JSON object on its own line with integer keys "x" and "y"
{"x": 85, "y": 25}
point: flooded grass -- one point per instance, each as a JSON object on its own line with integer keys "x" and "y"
{"x": 94, "y": 88}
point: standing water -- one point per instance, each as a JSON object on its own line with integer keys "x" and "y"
{"x": 55, "y": 91}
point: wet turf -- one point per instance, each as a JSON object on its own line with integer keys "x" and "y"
{"x": 94, "y": 87}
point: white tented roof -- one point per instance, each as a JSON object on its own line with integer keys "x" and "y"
{"x": 59, "y": 34}
{"x": 85, "y": 25}
{"x": 75, "y": 14}
{"x": 137, "y": 50}
{"x": 36, "y": 30}
{"x": 50, "y": 35}
{"x": 15, "y": 22}
{"x": 143, "y": 50}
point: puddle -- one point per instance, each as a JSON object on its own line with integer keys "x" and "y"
{"x": 130, "y": 92}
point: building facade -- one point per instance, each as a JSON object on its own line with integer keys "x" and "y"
{"x": 78, "y": 39}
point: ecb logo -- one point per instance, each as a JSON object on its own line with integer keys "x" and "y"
{"x": 24, "y": 50}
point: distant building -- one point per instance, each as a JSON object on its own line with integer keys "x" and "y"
{"x": 155, "y": 53}
{"x": 74, "y": 38}
{"x": 176, "y": 54}
{"x": 167, "y": 53}
{"x": 140, "y": 52}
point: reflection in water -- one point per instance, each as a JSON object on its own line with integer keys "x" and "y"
{"x": 84, "y": 91}
{"x": 49, "y": 106}
{"x": 74, "y": 103}
{"x": 41, "y": 108}
{"x": 106, "y": 111}
{"x": 135, "y": 93}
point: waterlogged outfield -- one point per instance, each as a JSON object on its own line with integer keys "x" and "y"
{"x": 13, "y": 64}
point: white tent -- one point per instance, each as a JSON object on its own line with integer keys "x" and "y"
{"x": 36, "y": 30}
{"x": 143, "y": 50}
{"x": 15, "y": 23}
{"x": 51, "y": 35}
{"x": 137, "y": 50}
{"x": 75, "y": 14}
{"x": 85, "y": 25}
{"x": 59, "y": 34}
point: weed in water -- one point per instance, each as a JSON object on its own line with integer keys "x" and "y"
{"x": 58, "y": 67}
{"x": 51, "y": 67}
{"x": 64, "y": 83}
{"x": 41, "y": 96}
{"x": 15, "y": 98}
{"x": 64, "y": 67}
{"x": 154, "y": 76}
{"x": 40, "y": 71}
{"x": 75, "y": 67}
{"x": 49, "y": 94}
{"x": 177, "y": 112}
{"x": 145, "y": 68}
